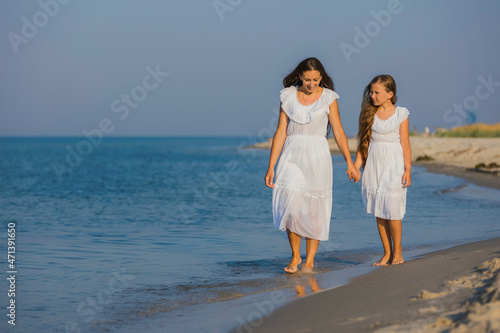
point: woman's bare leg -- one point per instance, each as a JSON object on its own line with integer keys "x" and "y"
{"x": 384, "y": 231}
{"x": 396, "y": 232}
{"x": 294, "y": 241}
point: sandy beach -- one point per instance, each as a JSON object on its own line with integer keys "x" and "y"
{"x": 452, "y": 290}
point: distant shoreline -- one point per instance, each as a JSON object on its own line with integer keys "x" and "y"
{"x": 446, "y": 155}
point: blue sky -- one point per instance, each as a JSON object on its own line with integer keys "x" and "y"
{"x": 219, "y": 64}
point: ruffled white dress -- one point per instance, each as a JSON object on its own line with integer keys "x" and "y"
{"x": 302, "y": 196}
{"x": 383, "y": 193}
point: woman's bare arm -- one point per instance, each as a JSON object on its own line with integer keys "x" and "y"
{"x": 278, "y": 142}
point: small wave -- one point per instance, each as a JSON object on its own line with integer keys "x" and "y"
{"x": 470, "y": 191}
{"x": 453, "y": 189}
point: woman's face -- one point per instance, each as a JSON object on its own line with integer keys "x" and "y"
{"x": 379, "y": 94}
{"x": 311, "y": 80}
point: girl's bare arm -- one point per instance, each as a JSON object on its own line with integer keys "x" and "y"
{"x": 404, "y": 131}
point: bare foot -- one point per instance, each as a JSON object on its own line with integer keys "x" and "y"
{"x": 384, "y": 261}
{"x": 398, "y": 259}
{"x": 292, "y": 266}
{"x": 398, "y": 256}
{"x": 307, "y": 268}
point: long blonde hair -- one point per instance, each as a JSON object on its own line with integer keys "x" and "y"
{"x": 368, "y": 111}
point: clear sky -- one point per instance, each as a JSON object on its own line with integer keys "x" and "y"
{"x": 210, "y": 68}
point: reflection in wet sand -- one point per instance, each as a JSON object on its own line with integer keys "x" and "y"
{"x": 313, "y": 287}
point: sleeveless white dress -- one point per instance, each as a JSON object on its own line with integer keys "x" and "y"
{"x": 302, "y": 196}
{"x": 383, "y": 193}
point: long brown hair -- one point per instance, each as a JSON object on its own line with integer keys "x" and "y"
{"x": 309, "y": 64}
{"x": 368, "y": 111}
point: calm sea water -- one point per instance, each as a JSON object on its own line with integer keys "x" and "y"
{"x": 141, "y": 232}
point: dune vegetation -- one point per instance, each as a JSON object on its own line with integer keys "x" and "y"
{"x": 471, "y": 131}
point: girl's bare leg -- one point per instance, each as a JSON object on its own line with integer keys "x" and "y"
{"x": 384, "y": 231}
{"x": 312, "y": 248}
{"x": 294, "y": 241}
{"x": 396, "y": 232}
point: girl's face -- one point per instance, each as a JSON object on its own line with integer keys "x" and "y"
{"x": 379, "y": 94}
{"x": 311, "y": 80}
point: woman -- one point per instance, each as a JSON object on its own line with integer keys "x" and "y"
{"x": 302, "y": 192}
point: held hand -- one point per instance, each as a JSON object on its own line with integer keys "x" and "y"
{"x": 269, "y": 178}
{"x": 353, "y": 173}
{"x": 357, "y": 176}
{"x": 406, "y": 179}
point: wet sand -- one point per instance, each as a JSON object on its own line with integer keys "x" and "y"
{"x": 452, "y": 290}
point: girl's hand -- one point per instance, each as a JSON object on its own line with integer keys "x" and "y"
{"x": 269, "y": 178}
{"x": 406, "y": 179}
{"x": 357, "y": 176}
{"x": 353, "y": 173}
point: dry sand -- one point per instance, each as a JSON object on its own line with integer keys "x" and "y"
{"x": 453, "y": 290}
{"x": 457, "y": 152}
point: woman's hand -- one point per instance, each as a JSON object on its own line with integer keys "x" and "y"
{"x": 406, "y": 178}
{"x": 353, "y": 173}
{"x": 269, "y": 178}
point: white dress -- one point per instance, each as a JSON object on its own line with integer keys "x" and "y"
{"x": 383, "y": 193}
{"x": 302, "y": 196}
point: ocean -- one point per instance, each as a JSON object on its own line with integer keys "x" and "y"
{"x": 176, "y": 234}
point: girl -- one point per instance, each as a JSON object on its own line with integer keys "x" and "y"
{"x": 302, "y": 192}
{"x": 385, "y": 154}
